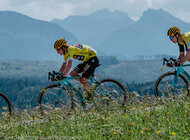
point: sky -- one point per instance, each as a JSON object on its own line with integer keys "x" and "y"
{"x": 61, "y": 9}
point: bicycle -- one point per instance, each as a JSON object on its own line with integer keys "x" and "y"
{"x": 5, "y": 105}
{"x": 64, "y": 96}
{"x": 174, "y": 83}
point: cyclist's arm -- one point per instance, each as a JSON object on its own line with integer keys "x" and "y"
{"x": 181, "y": 55}
{"x": 187, "y": 56}
{"x": 68, "y": 67}
{"x": 181, "y": 50}
{"x": 62, "y": 69}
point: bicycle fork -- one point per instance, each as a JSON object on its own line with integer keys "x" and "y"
{"x": 175, "y": 80}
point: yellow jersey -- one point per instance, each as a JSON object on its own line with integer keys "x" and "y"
{"x": 80, "y": 52}
{"x": 186, "y": 40}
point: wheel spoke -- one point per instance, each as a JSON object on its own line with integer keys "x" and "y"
{"x": 110, "y": 94}
{"x": 54, "y": 99}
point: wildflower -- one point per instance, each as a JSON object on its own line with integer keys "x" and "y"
{"x": 173, "y": 133}
{"x": 142, "y": 132}
{"x": 132, "y": 131}
{"x": 163, "y": 125}
{"x": 5, "y": 108}
{"x": 133, "y": 108}
{"x": 158, "y": 132}
{"x": 39, "y": 130}
{"x": 114, "y": 133}
{"x": 187, "y": 123}
{"x": 148, "y": 133}
{"x": 159, "y": 99}
{"x": 167, "y": 113}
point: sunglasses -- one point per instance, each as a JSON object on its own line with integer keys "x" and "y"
{"x": 171, "y": 37}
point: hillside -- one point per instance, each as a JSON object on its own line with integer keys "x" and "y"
{"x": 126, "y": 71}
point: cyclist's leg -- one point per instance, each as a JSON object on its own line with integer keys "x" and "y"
{"x": 87, "y": 72}
{"x": 78, "y": 69}
{"x": 74, "y": 73}
{"x": 90, "y": 67}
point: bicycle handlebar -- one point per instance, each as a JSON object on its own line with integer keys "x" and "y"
{"x": 171, "y": 62}
{"x": 57, "y": 76}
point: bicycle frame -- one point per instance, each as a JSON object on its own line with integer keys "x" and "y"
{"x": 66, "y": 84}
{"x": 179, "y": 70}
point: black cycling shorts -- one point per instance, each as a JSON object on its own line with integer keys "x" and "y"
{"x": 87, "y": 67}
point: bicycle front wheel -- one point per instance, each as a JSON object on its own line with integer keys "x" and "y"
{"x": 166, "y": 86}
{"x": 5, "y": 105}
{"x": 54, "y": 99}
{"x": 110, "y": 93}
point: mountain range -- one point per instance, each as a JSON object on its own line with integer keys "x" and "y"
{"x": 96, "y": 27}
{"x": 109, "y": 32}
{"x": 25, "y": 38}
{"x": 123, "y": 37}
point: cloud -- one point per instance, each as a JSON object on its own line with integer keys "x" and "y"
{"x": 50, "y": 9}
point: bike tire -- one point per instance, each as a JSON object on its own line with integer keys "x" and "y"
{"x": 5, "y": 105}
{"x": 163, "y": 85}
{"x": 47, "y": 100}
{"x": 116, "y": 90}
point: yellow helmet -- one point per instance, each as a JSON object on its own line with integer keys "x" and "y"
{"x": 174, "y": 30}
{"x": 60, "y": 43}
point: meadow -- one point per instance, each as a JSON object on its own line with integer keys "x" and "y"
{"x": 141, "y": 118}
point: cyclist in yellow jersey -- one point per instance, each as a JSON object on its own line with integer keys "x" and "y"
{"x": 183, "y": 40}
{"x": 81, "y": 52}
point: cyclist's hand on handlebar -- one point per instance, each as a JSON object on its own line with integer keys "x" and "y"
{"x": 59, "y": 77}
{"x": 55, "y": 76}
{"x": 52, "y": 79}
{"x": 171, "y": 62}
{"x": 177, "y": 64}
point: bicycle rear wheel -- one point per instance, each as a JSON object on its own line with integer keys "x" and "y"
{"x": 163, "y": 86}
{"x": 110, "y": 94}
{"x": 5, "y": 105}
{"x": 53, "y": 99}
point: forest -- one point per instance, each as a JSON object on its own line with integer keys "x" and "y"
{"x": 23, "y": 92}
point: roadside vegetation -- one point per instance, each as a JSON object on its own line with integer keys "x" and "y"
{"x": 143, "y": 117}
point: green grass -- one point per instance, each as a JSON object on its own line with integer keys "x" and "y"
{"x": 147, "y": 119}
